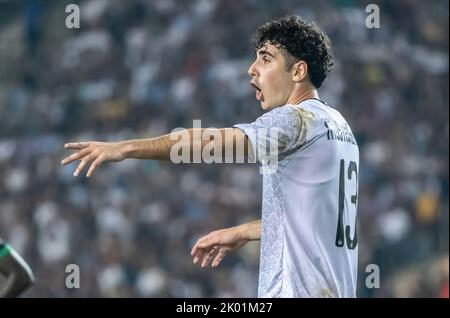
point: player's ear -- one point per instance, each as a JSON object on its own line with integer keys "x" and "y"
{"x": 299, "y": 71}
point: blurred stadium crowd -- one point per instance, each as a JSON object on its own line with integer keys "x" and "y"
{"x": 137, "y": 69}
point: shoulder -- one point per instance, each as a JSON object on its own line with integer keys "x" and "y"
{"x": 287, "y": 115}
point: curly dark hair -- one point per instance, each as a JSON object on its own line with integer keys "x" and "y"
{"x": 302, "y": 41}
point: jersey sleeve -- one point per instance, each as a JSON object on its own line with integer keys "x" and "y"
{"x": 278, "y": 132}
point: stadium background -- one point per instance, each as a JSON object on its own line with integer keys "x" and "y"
{"x": 141, "y": 68}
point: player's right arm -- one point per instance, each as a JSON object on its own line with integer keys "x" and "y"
{"x": 17, "y": 273}
{"x": 217, "y": 244}
{"x": 159, "y": 148}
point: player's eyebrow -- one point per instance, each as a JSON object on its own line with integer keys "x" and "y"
{"x": 265, "y": 52}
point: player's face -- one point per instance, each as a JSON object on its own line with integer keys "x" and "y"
{"x": 273, "y": 83}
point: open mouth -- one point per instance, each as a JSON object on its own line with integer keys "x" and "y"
{"x": 259, "y": 95}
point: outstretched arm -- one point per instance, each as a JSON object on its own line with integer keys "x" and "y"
{"x": 18, "y": 274}
{"x": 220, "y": 141}
{"x": 216, "y": 245}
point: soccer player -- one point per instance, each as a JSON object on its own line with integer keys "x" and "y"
{"x": 308, "y": 225}
{"x": 17, "y": 273}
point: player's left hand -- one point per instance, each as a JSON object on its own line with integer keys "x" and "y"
{"x": 95, "y": 152}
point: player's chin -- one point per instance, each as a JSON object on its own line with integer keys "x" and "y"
{"x": 264, "y": 105}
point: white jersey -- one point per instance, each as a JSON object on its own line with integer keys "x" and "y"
{"x": 308, "y": 240}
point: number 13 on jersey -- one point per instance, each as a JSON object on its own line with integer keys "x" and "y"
{"x": 347, "y": 174}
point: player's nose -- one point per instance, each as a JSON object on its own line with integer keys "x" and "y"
{"x": 252, "y": 69}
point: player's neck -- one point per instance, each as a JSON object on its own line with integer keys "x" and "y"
{"x": 301, "y": 95}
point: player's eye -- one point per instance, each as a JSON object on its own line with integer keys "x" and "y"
{"x": 265, "y": 59}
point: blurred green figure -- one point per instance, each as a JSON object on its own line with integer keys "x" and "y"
{"x": 16, "y": 271}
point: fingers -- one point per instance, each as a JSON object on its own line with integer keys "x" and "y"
{"x": 205, "y": 248}
{"x": 219, "y": 257}
{"x": 198, "y": 251}
{"x": 209, "y": 248}
{"x": 76, "y": 156}
{"x": 83, "y": 163}
{"x": 85, "y": 154}
{"x": 203, "y": 243}
{"x": 198, "y": 255}
{"x": 209, "y": 256}
{"x": 194, "y": 249}
{"x": 217, "y": 253}
{"x": 77, "y": 145}
{"x": 94, "y": 165}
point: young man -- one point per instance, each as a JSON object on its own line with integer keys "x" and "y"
{"x": 307, "y": 232}
{"x": 18, "y": 275}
